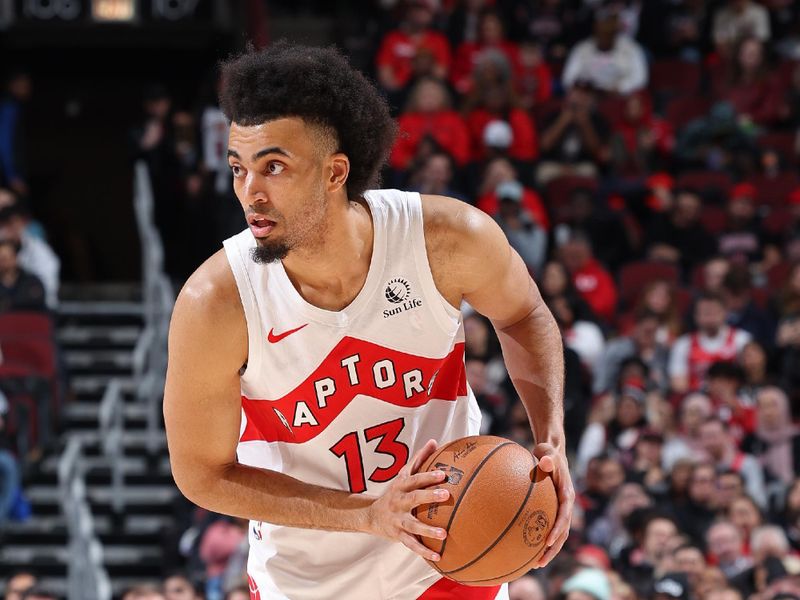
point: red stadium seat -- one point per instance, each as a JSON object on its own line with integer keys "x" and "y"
{"x": 704, "y": 182}
{"x": 774, "y": 191}
{"x": 777, "y": 221}
{"x": 558, "y": 191}
{"x": 783, "y": 142}
{"x": 714, "y": 219}
{"x": 777, "y": 275}
{"x": 20, "y": 324}
{"x": 674, "y": 77}
{"x": 683, "y": 109}
{"x": 761, "y": 297}
{"x": 633, "y": 277}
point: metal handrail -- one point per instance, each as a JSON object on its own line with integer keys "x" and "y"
{"x": 112, "y": 420}
{"x": 87, "y": 578}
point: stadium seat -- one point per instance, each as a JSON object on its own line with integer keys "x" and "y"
{"x": 773, "y": 191}
{"x": 634, "y": 276}
{"x": 558, "y": 191}
{"x": 674, "y": 77}
{"x": 705, "y": 182}
{"x": 777, "y": 221}
{"x": 683, "y": 109}
{"x": 777, "y": 275}
{"x": 782, "y": 141}
{"x": 714, "y": 219}
{"x": 23, "y": 324}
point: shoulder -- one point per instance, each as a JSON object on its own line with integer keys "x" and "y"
{"x": 210, "y": 294}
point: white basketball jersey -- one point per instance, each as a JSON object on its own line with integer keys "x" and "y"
{"x": 344, "y": 399}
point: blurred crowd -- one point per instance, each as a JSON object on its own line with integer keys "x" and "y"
{"x": 642, "y": 158}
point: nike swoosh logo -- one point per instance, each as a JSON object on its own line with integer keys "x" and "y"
{"x": 272, "y": 338}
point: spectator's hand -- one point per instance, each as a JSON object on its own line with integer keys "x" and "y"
{"x": 390, "y": 515}
{"x": 554, "y": 461}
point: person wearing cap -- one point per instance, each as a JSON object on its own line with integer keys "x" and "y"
{"x": 523, "y": 233}
{"x": 586, "y": 584}
{"x": 415, "y": 35}
{"x": 671, "y": 586}
{"x": 742, "y": 240}
{"x": 613, "y": 62}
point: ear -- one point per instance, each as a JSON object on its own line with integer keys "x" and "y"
{"x": 338, "y": 170}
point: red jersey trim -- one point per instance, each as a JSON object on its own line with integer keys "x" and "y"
{"x": 353, "y": 367}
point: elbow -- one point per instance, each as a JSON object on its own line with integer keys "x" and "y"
{"x": 196, "y": 483}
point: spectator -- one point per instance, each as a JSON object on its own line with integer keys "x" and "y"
{"x": 526, "y": 587}
{"x": 789, "y": 517}
{"x": 592, "y": 281}
{"x": 428, "y": 116}
{"x": 493, "y": 99}
{"x": 35, "y": 256}
{"x": 435, "y": 176}
{"x": 18, "y": 583}
{"x": 610, "y": 237}
{"x": 618, "y": 433}
{"x": 524, "y": 234}
{"x": 697, "y": 510}
{"x": 178, "y": 586}
{"x": 241, "y": 592}
{"x": 722, "y": 593}
{"x": 637, "y": 566}
{"x": 756, "y": 375}
{"x": 678, "y": 236}
{"x": 12, "y": 136}
{"x": 776, "y": 440}
{"x": 611, "y": 61}
{"x": 19, "y": 290}
{"x": 608, "y": 531}
{"x": 9, "y": 470}
{"x": 491, "y": 35}
{"x": 723, "y": 452}
{"x": 724, "y": 380}
{"x": 744, "y": 513}
{"x": 587, "y": 584}
{"x": 529, "y": 201}
{"x": 743, "y": 312}
{"x": 752, "y": 89}
{"x": 647, "y": 465}
{"x": 730, "y": 486}
{"x": 574, "y": 140}
{"x": 38, "y": 593}
{"x": 695, "y": 408}
{"x": 493, "y": 407}
{"x": 555, "y": 281}
{"x": 535, "y": 81}
{"x": 725, "y": 546}
{"x": 660, "y": 298}
{"x": 693, "y": 353}
{"x": 676, "y": 29}
{"x": 742, "y": 241}
{"x": 689, "y": 560}
{"x": 671, "y": 586}
{"x": 413, "y": 42}
{"x": 604, "y": 475}
{"x": 142, "y": 592}
{"x": 643, "y": 343}
{"x": 737, "y": 20}
{"x": 220, "y": 541}
{"x": 584, "y": 337}
{"x": 642, "y": 142}
{"x": 713, "y": 274}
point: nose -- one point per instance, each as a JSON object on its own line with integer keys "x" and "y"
{"x": 253, "y": 190}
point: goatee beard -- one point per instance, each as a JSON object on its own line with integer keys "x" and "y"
{"x": 264, "y": 255}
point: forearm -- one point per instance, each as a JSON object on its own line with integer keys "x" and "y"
{"x": 264, "y": 495}
{"x": 534, "y": 357}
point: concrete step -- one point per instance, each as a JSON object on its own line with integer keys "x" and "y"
{"x": 99, "y": 359}
{"x": 113, "y": 554}
{"x": 93, "y": 309}
{"x": 143, "y": 494}
{"x": 89, "y": 335}
{"x": 131, "y": 465}
{"x": 95, "y": 384}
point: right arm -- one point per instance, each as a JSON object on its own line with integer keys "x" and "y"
{"x": 202, "y": 412}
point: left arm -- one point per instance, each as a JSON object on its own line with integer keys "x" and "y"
{"x": 471, "y": 259}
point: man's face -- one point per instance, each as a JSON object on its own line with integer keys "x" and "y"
{"x": 8, "y": 258}
{"x": 709, "y": 316}
{"x": 612, "y": 475}
{"x": 657, "y": 537}
{"x": 177, "y": 588}
{"x": 691, "y": 561}
{"x": 724, "y": 542}
{"x": 729, "y": 486}
{"x": 687, "y": 209}
{"x": 18, "y": 585}
{"x": 701, "y": 484}
{"x": 714, "y": 439}
{"x": 280, "y": 170}
{"x": 645, "y": 332}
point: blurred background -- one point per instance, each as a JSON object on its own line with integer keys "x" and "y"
{"x": 642, "y": 157}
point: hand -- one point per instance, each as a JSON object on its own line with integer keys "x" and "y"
{"x": 554, "y": 461}
{"x": 390, "y": 515}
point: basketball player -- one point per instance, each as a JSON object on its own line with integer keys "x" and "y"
{"x": 316, "y": 360}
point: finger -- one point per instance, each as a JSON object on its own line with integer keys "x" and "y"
{"x": 417, "y": 497}
{"x": 563, "y": 517}
{"x": 552, "y": 551}
{"x": 413, "y": 544}
{"x": 417, "y": 527}
{"x": 422, "y": 455}
{"x": 547, "y": 464}
{"x": 423, "y": 480}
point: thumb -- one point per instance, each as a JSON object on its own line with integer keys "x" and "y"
{"x": 546, "y": 464}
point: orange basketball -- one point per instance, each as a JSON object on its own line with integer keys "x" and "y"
{"x": 499, "y": 514}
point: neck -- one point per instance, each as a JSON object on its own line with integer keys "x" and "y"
{"x": 332, "y": 270}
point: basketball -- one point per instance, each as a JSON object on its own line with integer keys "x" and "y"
{"x": 499, "y": 513}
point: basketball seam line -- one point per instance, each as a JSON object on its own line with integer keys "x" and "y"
{"x": 466, "y": 487}
{"x": 504, "y": 532}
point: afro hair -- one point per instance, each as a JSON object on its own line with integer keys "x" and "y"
{"x": 319, "y": 86}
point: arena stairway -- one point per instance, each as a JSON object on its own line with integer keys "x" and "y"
{"x": 97, "y": 340}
